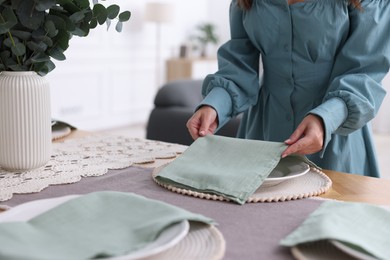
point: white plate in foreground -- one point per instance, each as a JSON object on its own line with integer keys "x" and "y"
{"x": 351, "y": 251}
{"x": 287, "y": 168}
{"x": 167, "y": 239}
{"x": 327, "y": 249}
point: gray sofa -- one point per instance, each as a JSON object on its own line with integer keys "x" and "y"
{"x": 175, "y": 103}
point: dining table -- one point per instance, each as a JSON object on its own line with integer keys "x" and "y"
{"x": 250, "y": 231}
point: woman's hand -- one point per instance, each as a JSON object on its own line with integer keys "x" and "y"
{"x": 203, "y": 122}
{"x": 308, "y": 138}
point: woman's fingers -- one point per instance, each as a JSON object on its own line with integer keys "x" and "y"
{"x": 208, "y": 124}
{"x": 193, "y": 125}
{"x": 296, "y": 135}
{"x": 203, "y": 122}
{"x": 308, "y": 138}
{"x": 305, "y": 145}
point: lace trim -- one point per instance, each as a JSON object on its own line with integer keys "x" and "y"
{"x": 85, "y": 157}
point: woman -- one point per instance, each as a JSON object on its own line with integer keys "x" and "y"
{"x": 323, "y": 62}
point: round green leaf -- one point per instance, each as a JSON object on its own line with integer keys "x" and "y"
{"x": 42, "y": 5}
{"x": 112, "y": 11}
{"x": 88, "y": 16}
{"x": 42, "y": 68}
{"x": 28, "y": 16}
{"x": 79, "y": 32}
{"x": 40, "y": 57}
{"x": 57, "y": 53}
{"x": 82, "y": 4}
{"x": 77, "y": 17}
{"x": 23, "y": 35}
{"x": 100, "y": 12}
{"x": 50, "y": 66}
{"x": 70, "y": 25}
{"x": 38, "y": 35}
{"x": 62, "y": 39}
{"x": 18, "y": 67}
{"x": 124, "y": 16}
{"x": 18, "y": 49}
{"x": 48, "y": 41}
{"x": 50, "y": 28}
{"x": 36, "y": 46}
{"x": 9, "y": 20}
{"x": 9, "y": 62}
{"x": 58, "y": 21}
{"x": 9, "y": 43}
{"x": 93, "y": 24}
{"x": 4, "y": 55}
{"x": 85, "y": 28}
{"x": 68, "y": 6}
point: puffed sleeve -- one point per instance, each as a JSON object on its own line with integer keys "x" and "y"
{"x": 234, "y": 87}
{"x": 355, "y": 92}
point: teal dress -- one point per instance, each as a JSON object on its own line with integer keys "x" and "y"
{"x": 322, "y": 57}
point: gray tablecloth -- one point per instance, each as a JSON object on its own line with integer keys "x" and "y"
{"x": 251, "y": 231}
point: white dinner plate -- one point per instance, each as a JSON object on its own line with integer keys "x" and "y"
{"x": 167, "y": 239}
{"x": 287, "y": 168}
{"x": 351, "y": 251}
{"x": 318, "y": 250}
{"x": 60, "y": 132}
{"x": 327, "y": 249}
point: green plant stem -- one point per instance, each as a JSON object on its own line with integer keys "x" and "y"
{"x": 13, "y": 43}
{"x": 11, "y": 38}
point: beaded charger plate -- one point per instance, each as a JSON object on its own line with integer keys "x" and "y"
{"x": 202, "y": 242}
{"x": 313, "y": 183}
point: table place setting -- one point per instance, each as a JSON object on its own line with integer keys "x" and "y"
{"x": 238, "y": 170}
{"x": 227, "y": 174}
{"x": 106, "y": 225}
{"x": 342, "y": 230}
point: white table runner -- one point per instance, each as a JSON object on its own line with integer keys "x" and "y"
{"x": 85, "y": 157}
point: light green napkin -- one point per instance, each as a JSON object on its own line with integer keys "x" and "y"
{"x": 99, "y": 224}
{"x": 230, "y": 167}
{"x": 362, "y": 226}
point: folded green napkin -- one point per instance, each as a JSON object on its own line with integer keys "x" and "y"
{"x": 99, "y": 224}
{"x": 230, "y": 167}
{"x": 360, "y": 226}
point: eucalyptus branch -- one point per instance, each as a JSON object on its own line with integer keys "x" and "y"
{"x": 41, "y": 30}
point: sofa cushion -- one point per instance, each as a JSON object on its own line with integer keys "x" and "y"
{"x": 175, "y": 103}
{"x": 182, "y": 93}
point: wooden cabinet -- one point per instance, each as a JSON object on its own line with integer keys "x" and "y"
{"x": 190, "y": 68}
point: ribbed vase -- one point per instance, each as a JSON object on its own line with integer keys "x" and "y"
{"x": 25, "y": 118}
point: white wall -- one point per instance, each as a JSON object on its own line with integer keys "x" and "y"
{"x": 109, "y": 78}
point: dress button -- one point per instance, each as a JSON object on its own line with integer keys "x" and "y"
{"x": 288, "y": 117}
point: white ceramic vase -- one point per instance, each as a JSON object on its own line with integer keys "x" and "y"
{"x": 25, "y": 121}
